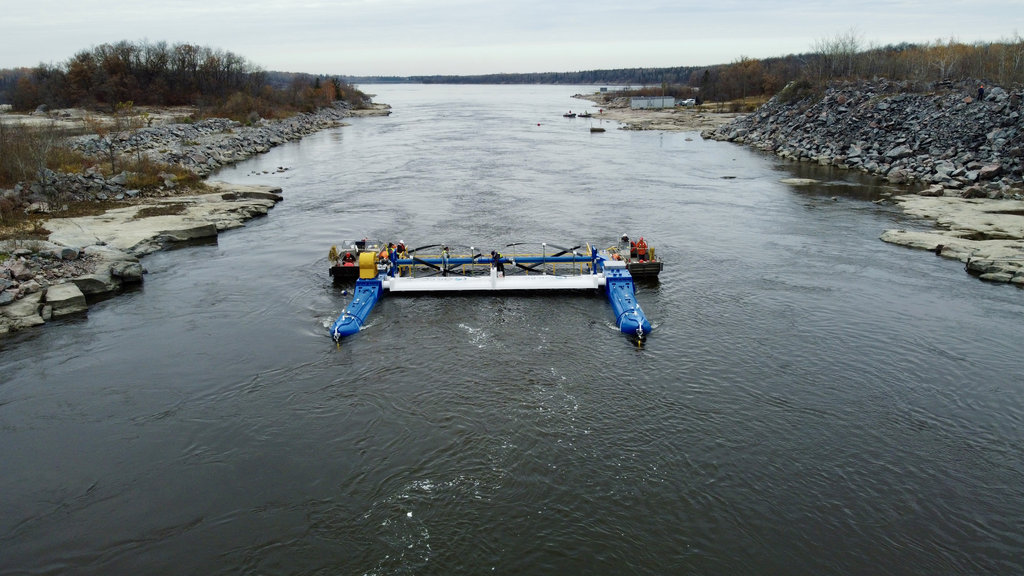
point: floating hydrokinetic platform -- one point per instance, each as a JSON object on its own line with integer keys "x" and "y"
{"x": 377, "y": 268}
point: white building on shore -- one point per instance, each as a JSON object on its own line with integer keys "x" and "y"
{"x": 652, "y": 102}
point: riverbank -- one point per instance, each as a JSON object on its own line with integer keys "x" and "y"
{"x": 86, "y": 258}
{"x": 93, "y": 257}
{"x": 677, "y": 119}
{"x": 959, "y": 157}
{"x": 986, "y": 235}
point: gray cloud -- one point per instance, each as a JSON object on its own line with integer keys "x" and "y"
{"x": 407, "y": 37}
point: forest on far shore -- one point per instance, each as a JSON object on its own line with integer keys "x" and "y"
{"x": 842, "y": 57}
{"x": 216, "y": 82}
{"x": 219, "y": 82}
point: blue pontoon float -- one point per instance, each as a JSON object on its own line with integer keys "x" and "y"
{"x": 377, "y": 268}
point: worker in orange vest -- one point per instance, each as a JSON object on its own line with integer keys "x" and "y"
{"x": 641, "y": 249}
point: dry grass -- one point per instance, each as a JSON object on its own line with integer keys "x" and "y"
{"x": 163, "y": 209}
{"x": 32, "y": 227}
{"x": 29, "y": 147}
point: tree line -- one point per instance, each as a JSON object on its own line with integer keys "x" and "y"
{"x": 842, "y": 57}
{"x": 223, "y": 82}
{"x": 161, "y": 74}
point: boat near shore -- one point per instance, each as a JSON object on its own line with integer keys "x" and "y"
{"x": 374, "y": 267}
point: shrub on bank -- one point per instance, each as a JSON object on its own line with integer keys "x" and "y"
{"x": 799, "y": 90}
{"x": 39, "y": 170}
{"x": 26, "y": 150}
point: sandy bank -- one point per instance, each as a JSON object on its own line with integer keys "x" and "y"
{"x": 678, "y": 119}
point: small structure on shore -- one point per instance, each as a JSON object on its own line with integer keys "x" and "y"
{"x": 646, "y": 102}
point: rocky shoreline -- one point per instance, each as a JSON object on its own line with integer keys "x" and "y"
{"x": 199, "y": 147}
{"x": 960, "y": 158}
{"x": 91, "y": 257}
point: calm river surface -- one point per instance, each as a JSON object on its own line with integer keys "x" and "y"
{"x": 811, "y": 401}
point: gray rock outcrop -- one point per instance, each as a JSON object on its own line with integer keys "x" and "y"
{"x": 206, "y": 145}
{"x": 65, "y": 299}
{"x": 112, "y": 243}
{"x": 23, "y": 313}
{"x": 986, "y": 235}
{"x": 943, "y": 136}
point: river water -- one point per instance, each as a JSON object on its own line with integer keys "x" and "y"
{"x": 811, "y": 401}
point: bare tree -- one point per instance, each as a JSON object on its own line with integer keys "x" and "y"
{"x": 124, "y": 121}
{"x": 944, "y": 57}
{"x": 834, "y": 57}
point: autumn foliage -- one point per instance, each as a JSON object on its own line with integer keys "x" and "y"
{"x": 158, "y": 74}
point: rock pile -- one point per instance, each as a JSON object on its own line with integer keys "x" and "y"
{"x": 200, "y": 147}
{"x": 37, "y": 283}
{"x": 85, "y": 186}
{"x": 207, "y": 145}
{"x": 944, "y": 137}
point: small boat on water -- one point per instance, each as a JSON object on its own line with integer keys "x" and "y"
{"x": 585, "y": 115}
{"x": 639, "y": 256}
{"x": 375, "y": 267}
{"x": 596, "y": 129}
{"x": 569, "y": 114}
{"x": 346, "y": 262}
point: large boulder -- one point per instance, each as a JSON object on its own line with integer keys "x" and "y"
{"x": 989, "y": 171}
{"x": 22, "y": 313}
{"x": 113, "y": 268}
{"x": 187, "y": 231}
{"x": 95, "y": 284}
{"x": 127, "y": 272}
{"x": 21, "y": 271}
{"x": 898, "y": 152}
{"x": 65, "y": 299}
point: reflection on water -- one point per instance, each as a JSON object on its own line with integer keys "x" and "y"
{"x": 812, "y": 400}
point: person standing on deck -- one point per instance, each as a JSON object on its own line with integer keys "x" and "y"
{"x": 393, "y": 258}
{"x": 497, "y": 263}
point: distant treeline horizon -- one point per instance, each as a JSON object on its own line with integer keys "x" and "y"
{"x": 841, "y": 57}
{"x": 184, "y": 74}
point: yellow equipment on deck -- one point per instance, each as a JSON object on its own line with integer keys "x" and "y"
{"x": 368, "y": 265}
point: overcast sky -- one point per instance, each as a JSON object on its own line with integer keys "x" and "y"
{"x": 425, "y": 37}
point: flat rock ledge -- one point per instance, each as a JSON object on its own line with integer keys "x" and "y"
{"x": 91, "y": 257}
{"x": 986, "y": 235}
